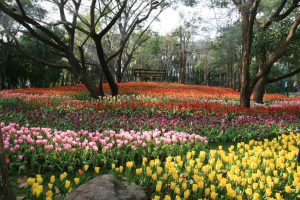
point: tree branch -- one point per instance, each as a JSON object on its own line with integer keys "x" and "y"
{"x": 273, "y": 80}
{"x": 274, "y": 56}
{"x": 274, "y": 15}
{"x": 113, "y": 21}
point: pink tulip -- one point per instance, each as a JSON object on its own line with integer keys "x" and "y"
{"x": 20, "y": 157}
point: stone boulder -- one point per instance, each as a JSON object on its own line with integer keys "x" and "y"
{"x": 107, "y": 187}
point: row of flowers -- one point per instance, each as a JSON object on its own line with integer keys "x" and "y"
{"x": 255, "y": 170}
{"x": 226, "y": 127}
{"x": 153, "y": 89}
{"x": 140, "y": 102}
{"x": 27, "y": 146}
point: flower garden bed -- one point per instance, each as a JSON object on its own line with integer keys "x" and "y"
{"x": 164, "y": 137}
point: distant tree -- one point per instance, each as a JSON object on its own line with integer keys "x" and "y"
{"x": 185, "y": 33}
{"x": 106, "y": 12}
{"x": 39, "y": 75}
{"x": 137, "y": 15}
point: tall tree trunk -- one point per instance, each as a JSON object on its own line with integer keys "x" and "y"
{"x": 108, "y": 75}
{"x": 6, "y": 192}
{"x": 245, "y": 74}
{"x": 181, "y": 78}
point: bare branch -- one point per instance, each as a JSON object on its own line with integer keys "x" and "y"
{"x": 113, "y": 21}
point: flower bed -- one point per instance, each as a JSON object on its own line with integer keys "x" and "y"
{"x": 154, "y": 134}
{"x": 46, "y": 149}
{"x": 255, "y": 170}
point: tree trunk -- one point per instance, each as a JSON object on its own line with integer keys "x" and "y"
{"x": 100, "y": 83}
{"x": 84, "y": 78}
{"x": 245, "y": 74}
{"x": 119, "y": 68}
{"x": 3, "y": 77}
{"x": 259, "y": 87}
{"x": 6, "y": 192}
{"x": 181, "y": 78}
{"x": 259, "y": 90}
{"x": 110, "y": 80}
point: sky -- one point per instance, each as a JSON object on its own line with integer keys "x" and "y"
{"x": 212, "y": 19}
{"x": 170, "y": 19}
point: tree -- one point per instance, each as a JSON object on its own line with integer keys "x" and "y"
{"x": 41, "y": 30}
{"x": 134, "y": 16}
{"x": 249, "y": 11}
{"x": 278, "y": 34}
{"x": 185, "y": 34}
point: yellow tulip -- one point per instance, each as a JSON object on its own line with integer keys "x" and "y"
{"x": 38, "y": 190}
{"x": 156, "y": 197}
{"x": 255, "y": 196}
{"x": 248, "y": 191}
{"x": 52, "y": 179}
{"x": 194, "y": 187}
{"x": 152, "y": 163}
{"x": 158, "y": 186}
{"x": 165, "y": 176}
{"x": 200, "y": 184}
{"x": 129, "y": 164}
{"x": 177, "y": 190}
{"x": 39, "y": 179}
{"x": 223, "y": 182}
{"x": 268, "y": 192}
{"x": 184, "y": 185}
{"x": 212, "y": 188}
{"x": 213, "y": 195}
{"x": 63, "y": 176}
{"x": 50, "y": 186}
{"x": 67, "y": 184}
{"x": 121, "y": 169}
{"x": 159, "y": 170}
{"x": 139, "y": 171}
{"x": 288, "y": 189}
{"x": 167, "y": 197}
{"x": 49, "y": 193}
{"x": 211, "y": 177}
{"x": 97, "y": 169}
{"x": 278, "y": 196}
{"x": 207, "y": 191}
{"x": 239, "y": 197}
{"x": 172, "y": 185}
{"x": 255, "y": 186}
{"x": 30, "y": 181}
{"x": 148, "y": 171}
{"x": 231, "y": 192}
{"x": 76, "y": 180}
{"x": 154, "y": 177}
{"x": 186, "y": 194}
{"x": 86, "y": 167}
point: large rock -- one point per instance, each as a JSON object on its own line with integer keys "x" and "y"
{"x": 107, "y": 187}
